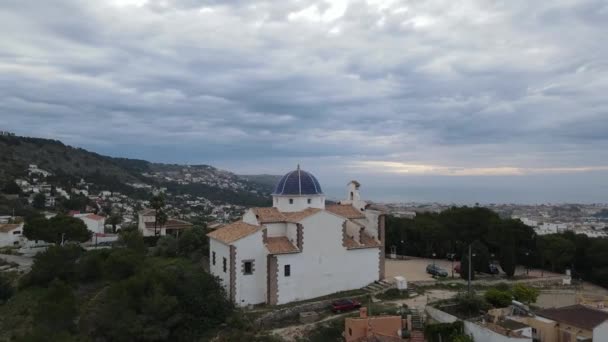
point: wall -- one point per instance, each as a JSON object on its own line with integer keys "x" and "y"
{"x": 325, "y": 266}
{"x": 600, "y": 333}
{"x": 249, "y": 217}
{"x": 221, "y": 251}
{"x": 440, "y": 316}
{"x": 545, "y": 328}
{"x": 299, "y": 202}
{"x": 251, "y": 288}
{"x": 275, "y": 229}
{"x": 9, "y": 239}
{"x": 480, "y": 333}
{"x": 93, "y": 225}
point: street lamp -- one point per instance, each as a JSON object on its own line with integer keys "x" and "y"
{"x": 434, "y": 259}
{"x": 404, "y": 254}
{"x": 527, "y": 263}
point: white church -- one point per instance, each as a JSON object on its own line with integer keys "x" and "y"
{"x": 299, "y": 248}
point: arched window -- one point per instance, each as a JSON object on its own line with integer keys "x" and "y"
{"x": 352, "y": 196}
{"x": 291, "y": 201}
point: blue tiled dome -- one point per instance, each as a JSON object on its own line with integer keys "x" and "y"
{"x": 298, "y": 182}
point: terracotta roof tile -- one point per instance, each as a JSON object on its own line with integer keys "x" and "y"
{"x": 234, "y": 231}
{"x": 350, "y": 242}
{"x": 578, "y": 315}
{"x": 268, "y": 215}
{"x": 368, "y": 241}
{"x": 171, "y": 224}
{"x": 345, "y": 210}
{"x": 300, "y": 215}
{"x": 5, "y": 228}
{"x": 95, "y": 217}
{"x": 280, "y": 245}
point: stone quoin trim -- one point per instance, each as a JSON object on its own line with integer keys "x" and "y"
{"x": 344, "y": 235}
{"x": 381, "y": 223}
{"x": 264, "y": 236}
{"x": 273, "y": 280}
{"x": 233, "y": 273}
{"x": 300, "y": 236}
{"x": 252, "y": 261}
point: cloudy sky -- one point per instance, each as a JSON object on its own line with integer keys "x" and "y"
{"x": 424, "y": 100}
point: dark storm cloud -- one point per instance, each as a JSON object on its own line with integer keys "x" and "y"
{"x": 472, "y": 84}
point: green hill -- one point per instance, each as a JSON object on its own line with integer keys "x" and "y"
{"x": 70, "y": 164}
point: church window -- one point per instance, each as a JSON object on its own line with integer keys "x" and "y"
{"x": 352, "y": 196}
{"x": 248, "y": 267}
{"x": 309, "y": 201}
{"x": 287, "y": 270}
{"x": 224, "y": 264}
{"x": 213, "y": 257}
{"x": 291, "y": 201}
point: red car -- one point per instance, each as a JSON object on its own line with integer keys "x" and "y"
{"x": 345, "y": 305}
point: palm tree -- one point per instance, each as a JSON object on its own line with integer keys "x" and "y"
{"x": 161, "y": 218}
{"x": 158, "y": 203}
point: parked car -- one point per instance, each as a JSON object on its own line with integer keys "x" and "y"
{"x": 493, "y": 269}
{"x": 452, "y": 256}
{"x": 436, "y": 270}
{"x": 345, "y": 305}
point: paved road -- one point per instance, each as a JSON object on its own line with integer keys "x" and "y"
{"x": 25, "y": 263}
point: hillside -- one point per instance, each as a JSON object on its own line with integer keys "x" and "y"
{"x": 69, "y": 164}
{"x": 265, "y": 180}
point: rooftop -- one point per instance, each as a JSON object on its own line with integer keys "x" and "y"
{"x": 298, "y": 182}
{"x": 234, "y": 231}
{"x": 345, "y": 210}
{"x": 280, "y": 245}
{"x": 577, "y": 315}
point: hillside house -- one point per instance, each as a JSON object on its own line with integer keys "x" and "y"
{"x": 11, "y": 234}
{"x": 146, "y": 224}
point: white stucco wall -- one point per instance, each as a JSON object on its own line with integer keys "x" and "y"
{"x": 325, "y": 266}
{"x": 249, "y": 217}
{"x": 480, "y": 333}
{"x": 300, "y": 202}
{"x": 291, "y": 231}
{"x": 93, "y": 225}
{"x": 275, "y": 229}
{"x": 221, "y": 251}
{"x": 251, "y": 288}
{"x": 600, "y": 333}
{"x": 9, "y": 238}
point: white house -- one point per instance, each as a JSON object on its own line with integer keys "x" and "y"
{"x": 95, "y": 223}
{"x": 299, "y": 248}
{"x": 146, "y": 224}
{"x": 11, "y": 234}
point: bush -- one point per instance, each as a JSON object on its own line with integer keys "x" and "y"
{"x": 166, "y": 247}
{"x": 132, "y": 239}
{"x": 56, "y": 262}
{"x": 193, "y": 243}
{"x": 525, "y": 294}
{"x": 6, "y": 288}
{"x": 90, "y": 265}
{"x": 498, "y": 298}
{"x": 121, "y": 264}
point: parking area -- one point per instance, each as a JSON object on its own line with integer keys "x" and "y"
{"x": 415, "y": 269}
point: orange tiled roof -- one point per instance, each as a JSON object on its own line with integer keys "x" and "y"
{"x": 5, "y": 228}
{"x": 345, "y": 210}
{"x": 368, "y": 241}
{"x": 300, "y": 215}
{"x": 280, "y": 245}
{"x": 350, "y": 242}
{"x": 272, "y": 215}
{"x": 170, "y": 224}
{"x": 95, "y": 217}
{"x": 269, "y": 215}
{"x": 234, "y": 231}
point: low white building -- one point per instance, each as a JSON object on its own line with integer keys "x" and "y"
{"x": 299, "y": 248}
{"x": 11, "y": 234}
{"x": 95, "y": 223}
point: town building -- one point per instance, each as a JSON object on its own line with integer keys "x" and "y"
{"x": 574, "y": 323}
{"x": 299, "y": 248}
{"x": 95, "y": 223}
{"x": 11, "y": 234}
{"x": 148, "y": 226}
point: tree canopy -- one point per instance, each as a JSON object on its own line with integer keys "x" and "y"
{"x": 56, "y": 229}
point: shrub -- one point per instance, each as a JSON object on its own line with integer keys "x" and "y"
{"x": 498, "y": 298}
{"x": 166, "y": 246}
{"x": 56, "y": 262}
{"x": 121, "y": 264}
{"x": 90, "y": 265}
{"x": 6, "y": 288}
{"x": 525, "y": 294}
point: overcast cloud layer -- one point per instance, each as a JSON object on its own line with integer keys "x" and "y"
{"x": 441, "y": 93}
